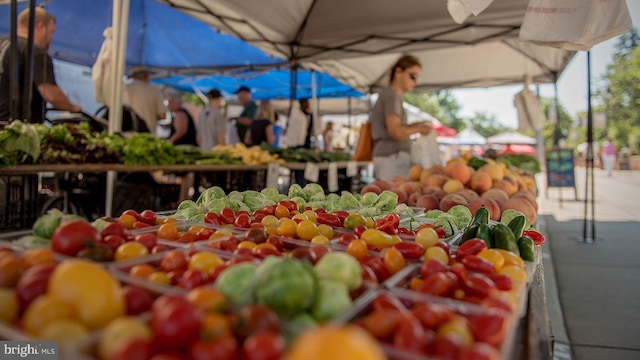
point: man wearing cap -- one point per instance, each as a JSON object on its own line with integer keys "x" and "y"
{"x": 44, "y": 80}
{"x": 144, "y": 98}
{"x": 212, "y": 126}
{"x": 248, "y": 114}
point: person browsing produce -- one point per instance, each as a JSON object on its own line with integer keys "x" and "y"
{"x": 261, "y": 130}
{"x": 44, "y": 80}
{"x": 389, "y": 128}
{"x": 144, "y": 98}
{"x": 248, "y": 113}
{"x": 212, "y": 125}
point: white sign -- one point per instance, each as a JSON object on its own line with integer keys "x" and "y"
{"x": 311, "y": 172}
{"x": 273, "y": 171}
{"x": 352, "y": 168}
{"x": 333, "y": 177}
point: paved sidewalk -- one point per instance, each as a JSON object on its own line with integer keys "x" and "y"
{"x": 593, "y": 290}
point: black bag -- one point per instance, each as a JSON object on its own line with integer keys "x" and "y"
{"x": 130, "y": 120}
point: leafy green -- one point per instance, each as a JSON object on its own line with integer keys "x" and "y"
{"x": 348, "y": 201}
{"x": 387, "y": 200}
{"x": 19, "y": 143}
{"x": 340, "y": 267}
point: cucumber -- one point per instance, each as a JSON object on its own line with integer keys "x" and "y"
{"x": 484, "y": 233}
{"x": 481, "y": 216}
{"x": 470, "y": 233}
{"x": 504, "y": 239}
{"x": 527, "y": 248}
{"x": 517, "y": 225}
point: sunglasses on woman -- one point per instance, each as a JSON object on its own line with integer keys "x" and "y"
{"x": 413, "y": 76}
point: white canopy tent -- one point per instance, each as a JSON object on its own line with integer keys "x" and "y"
{"x": 469, "y": 136}
{"x": 358, "y": 41}
{"x": 511, "y": 137}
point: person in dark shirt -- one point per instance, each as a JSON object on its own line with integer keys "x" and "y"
{"x": 248, "y": 114}
{"x": 45, "y": 88}
{"x": 261, "y": 130}
{"x": 183, "y": 128}
{"x": 305, "y": 106}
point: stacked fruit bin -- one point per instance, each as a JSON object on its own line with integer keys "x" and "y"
{"x": 242, "y": 284}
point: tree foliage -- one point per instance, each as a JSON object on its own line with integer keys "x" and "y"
{"x": 553, "y": 134}
{"x": 486, "y": 124}
{"x": 622, "y": 100}
{"x": 441, "y": 104}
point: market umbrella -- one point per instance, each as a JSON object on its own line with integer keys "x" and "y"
{"x": 469, "y": 136}
{"x": 511, "y": 137}
{"x": 518, "y": 149}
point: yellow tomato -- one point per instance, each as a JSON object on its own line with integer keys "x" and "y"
{"x": 377, "y": 237}
{"x": 9, "y": 308}
{"x": 436, "y": 253}
{"x": 168, "y": 231}
{"x": 320, "y": 240}
{"x": 120, "y": 331}
{"x": 43, "y": 310}
{"x": 89, "y": 289}
{"x": 207, "y": 299}
{"x": 514, "y": 272}
{"x": 246, "y": 245}
{"x": 311, "y": 215}
{"x": 160, "y": 277}
{"x": 31, "y": 257}
{"x": 325, "y": 230}
{"x": 204, "y": 261}
{"x": 288, "y": 228}
{"x": 494, "y": 257}
{"x": 427, "y": 237}
{"x": 269, "y": 221}
{"x": 66, "y": 332}
{"x": 459, "y": 328}
{"x": 306, "y": 230}
{"x": 130, "y": 250}
{"x": 511, "y": 258}
{"x": 336, "y": 343}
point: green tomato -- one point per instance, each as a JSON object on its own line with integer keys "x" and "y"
{"x": 353, "y": 220}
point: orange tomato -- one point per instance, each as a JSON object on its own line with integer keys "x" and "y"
{"x": 194, "y": 228}
{"x": 335, "y": 342}
{"x": 393, "y": 260}
{"x": 160, "y": 277}
{"x": 207, "y": 299}
{"x": 43, "y": 310}
{"x": 358, "y": 249}
{"x": 282, "y": 212}
{"x": 127, "y": 221}
{"x": 287, "y": 228}
{"x": 130, "y": 250}
{"x": 142, "y": 271}
{"x": 306, "y": 230}
{"x": 214, "y": 325}
{"x": 168, "y": 231}
{"x": 10, "y": 269}
{"x": 31, "y": 257}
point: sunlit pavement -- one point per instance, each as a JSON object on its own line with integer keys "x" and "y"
{"x": 593, "y": 289}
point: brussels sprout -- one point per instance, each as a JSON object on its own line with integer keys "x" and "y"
{"x": 46, "y": 224}
{"x": 302, "y": 203}
{"x": 403, "y": 210}
{"x": 296, "y": 190}
{"x": 332, "y": 300}
{"x": 369, "y": 211}
{"x": 211, "y": 193}
{"x": 369, "y": 198}
{"x": 348, "y": 201}
{"x": 462, "y": 215}
{"x": 31, "y": 241}
{"x": 286, "y": 285}
{"x": 447, "y": 222}
{"x": 253, "y": 200}
{"x": 237, "y": 283}
{"x": 387, "y": 200}
{"x": 313, "y": 191}
{"x": 432, "y": 214}
{"x": 340, "y": 267}
{"x": 332, "y": 197}
{"x": 271, "y": 194}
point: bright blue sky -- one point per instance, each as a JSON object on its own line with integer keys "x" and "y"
{"x": 572, "y": 86}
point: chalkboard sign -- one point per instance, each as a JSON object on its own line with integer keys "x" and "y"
{"x": 560, "y": 168}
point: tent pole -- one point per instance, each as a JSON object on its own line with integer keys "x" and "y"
{"x": 589, "y": 199}
{"x": 28, "y": 65}
{"x": 316, "y": 120}
{"x": 349, "y": 111}
{"x": 556, "y": 131}
{"x": 13, "y": 64}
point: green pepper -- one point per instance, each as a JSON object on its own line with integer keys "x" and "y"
{"x": 504, "y": 239}
{"x": 481, "y": 216}
{"x": 527, "y": 248}
{"x": 517, "y": 225}
{"x": 484, "y": 233}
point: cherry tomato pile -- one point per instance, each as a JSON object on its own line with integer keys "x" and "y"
{"x": 408, "y": 323}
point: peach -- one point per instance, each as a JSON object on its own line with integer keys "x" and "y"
{"x": 428, "y": 202}
{"x": 384, "y": 185}
{"x": 452, "y": 186}
{"x": 414, "y": 172}
{"x": 527, "y": 196}
{"x": 521, "y": 205}
{"x": 494, "y": 171}
{"x": 371, "y": 188}
{"x": 413, "y": 199}
{"x": 410, "y": 187}
{"x": 468, "y": 194}
{"x": 402, "y": 195}
{"x": 425, "y": 174}
{"x": 437, "y": 180}
{"x": 459, "y": 171}
{"x": 496, "y": 194}
{"x": 440, "y": 194}
{"x": 505, "y": 185}
{"x": 452, "y": 200}
{"x": 480, "y": 181}
{"x": 490, "y": 204}
{"x": 430, "y": 189}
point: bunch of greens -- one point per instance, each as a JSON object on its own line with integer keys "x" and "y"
{"x": 521, "y": 161}
{"x": 146, "y": 149}
{"x": 20, "y": 143}
{"x": 77, "y": 144}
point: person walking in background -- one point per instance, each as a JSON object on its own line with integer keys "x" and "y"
{"x": 261, "y": 129}
{"x": 389, "y": 128}
{"x": 183, "y": 128}
{"x": 327, "y": 136}
{"x": 44, "y": 80}
{"x": 145, "y": 99}
{"x": 212, "y": 126}
{"x": 305, "y": 106}
{"x": 248, "y": 113}
{"x": 608, "y": 155}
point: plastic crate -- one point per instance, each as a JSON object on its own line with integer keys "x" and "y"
{"x": 20, "y": 201}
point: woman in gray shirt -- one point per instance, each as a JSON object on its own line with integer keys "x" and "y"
{"x": 389, "y": 128}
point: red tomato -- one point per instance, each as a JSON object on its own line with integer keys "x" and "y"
{"x": 477, "y": 285}
{"x": 148, "y": 217}
{"x": 130, "y": 212}
{"x": 536, "y": 236}
{"x": 174, "y": 260}
{"x": 346, "y": 239}
{"x": 114, "y": 228}
{"x": 359, "y": 229}
{"x": 405, "y": 231}
{"x": 446, "y": 347}
{"x": 242, "y": 220}
{"x": 227, "y": 216}
{"x": 138, "y": 300}
{"x": 377, "y": 265}
{"x": 175, "y": 321}
{"x": 276, "y": 241}
{"x": 432, "y": 315}
{"x": 269, "y": 209}
{"x": 382, "y": 323}
{"x": 149, "y": 240}
{"x": 140, "y": 225}
{"x": 470, "y": 247}
{"x": 489, "y": 326}
{"x": 192, "y": 279}
{"x": 388, "y": 301}
{"x": 221, "y": 348}
{"x": 33, "y": 283}
{"x": 71, "y": 237}
{"x": 479, "y": 351}
{"x": 175, "y": 276}
{"x": 290, "y": 205}
{"x": 215, "y": 271}
{"x": 368, "y": 275}
{"x": 341, "y": 214}
{"x": 159, "y": 248}
{"x": 503, "y": 282}
{"x": 188, "y": 238}
{"x": 263, "y": 345}
{"x": 204, "y": 233}
{"x": 212, "y": 218}
{"x": 114, "y": 241}
{"x": 440, "y": 232}
{"x": 255, "y": 318}
{"x": 439, "y": 284}
{"x": 329, "y": 219}
{"x": 263, "y": 252}
{"x": 410, "y": 250}
{"x": 478, "y": 264}
{"x": 319, "y": 250}
{"x": 410, "y": 336}
{"x": 432, "y": 266}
